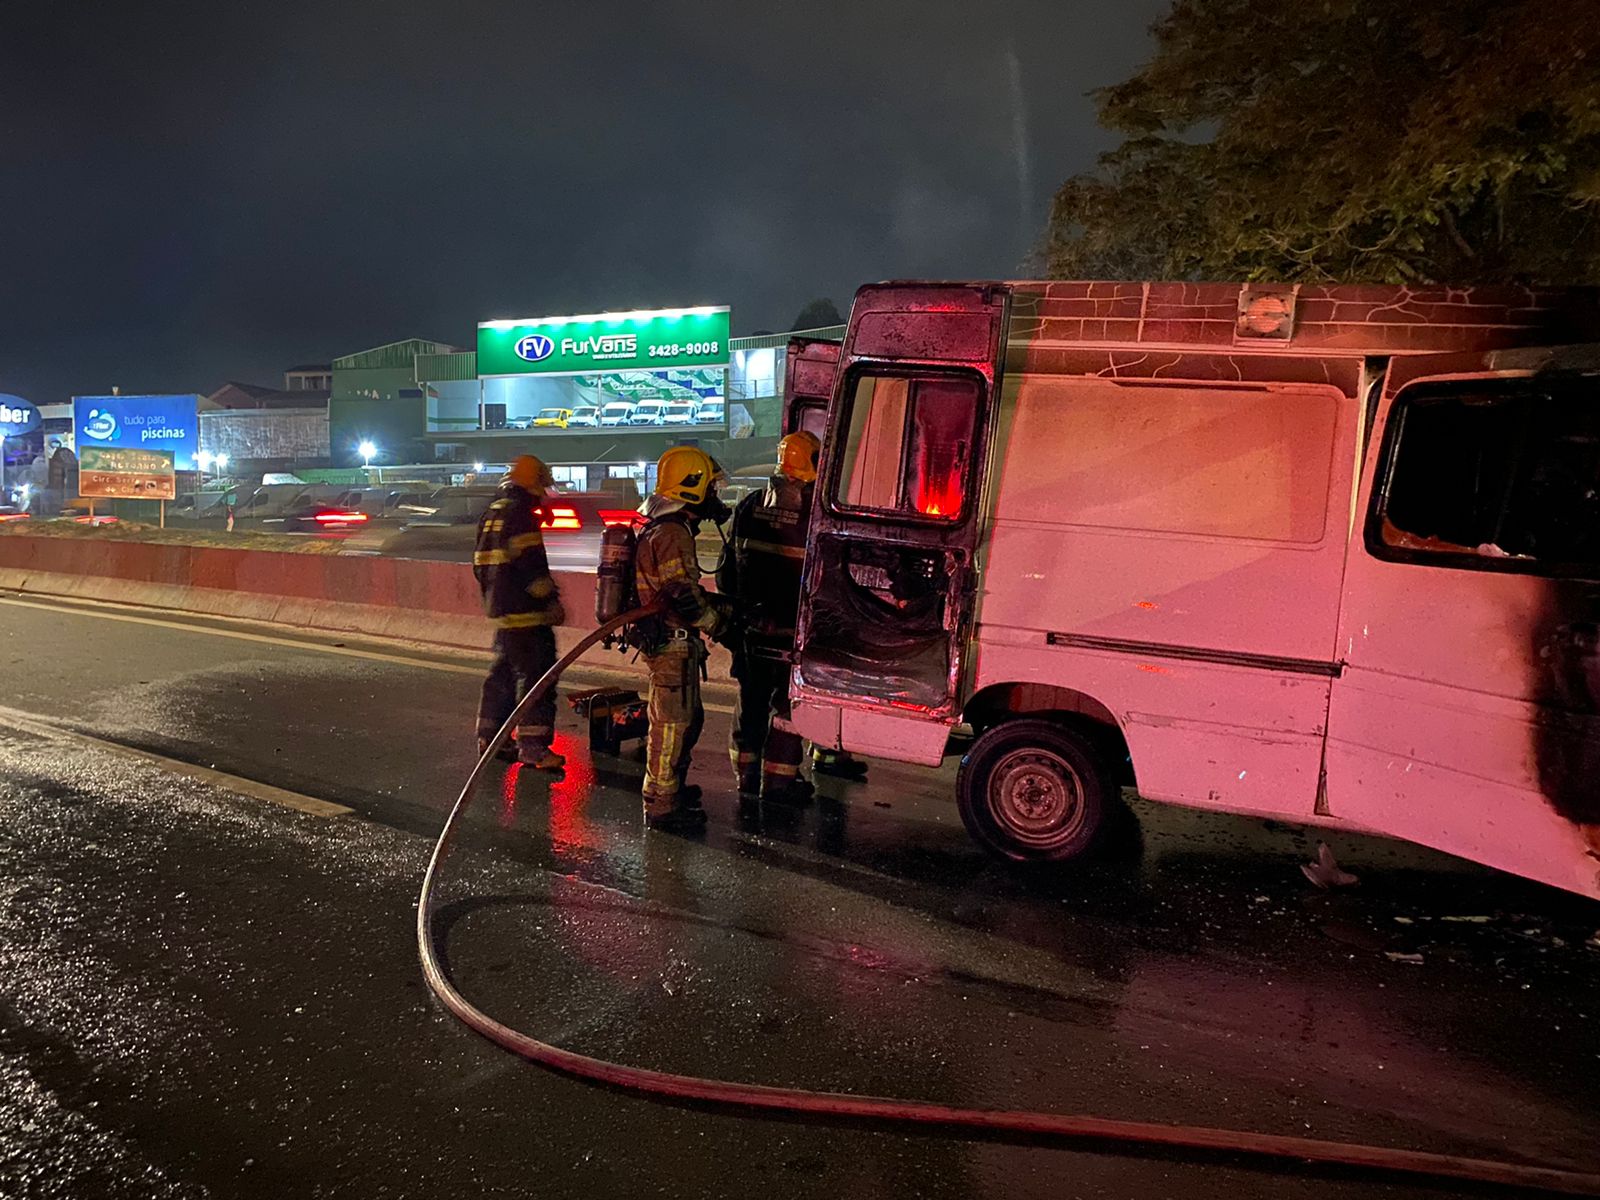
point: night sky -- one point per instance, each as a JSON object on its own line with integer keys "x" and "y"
{"x": 193, "y": 193}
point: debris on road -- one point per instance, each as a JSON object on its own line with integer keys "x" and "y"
{"x": 1325, "y": 873}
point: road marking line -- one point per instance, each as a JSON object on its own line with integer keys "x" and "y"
{"x": 98, "y": 612}
{"x": 221, "y": 779}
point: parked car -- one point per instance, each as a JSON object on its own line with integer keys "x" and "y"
{"x": 617, "y": 412}
{"x": 648, "y": 412}
{"x": 555, "y": 418}
{"x": 587, "y": 416}
{"x": 711, "y": 412}
{"x": 678, "y": 412}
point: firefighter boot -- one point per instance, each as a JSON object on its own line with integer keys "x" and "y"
{"x": 541, "y": 758}
{"x": 838, "y": 763}
{"x": 786, "y": 789}
{"x": 506, "y": 752}
{"x": 674, "y": 816}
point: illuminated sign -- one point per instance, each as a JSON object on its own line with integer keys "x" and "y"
{"x": 630, "y": 341}
{"x": 17, "y": 416}
{"x": 151, "y": 422}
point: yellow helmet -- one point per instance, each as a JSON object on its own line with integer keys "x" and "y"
{"x": 530, "y": 474}
{"x": 797, "y": 455}
{"x": 686, "y": 473}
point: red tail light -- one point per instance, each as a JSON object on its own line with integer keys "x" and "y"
{"x": 13, "y": 516}
{"x": 620, "y": 516}
{"x": 340, "y": 518}
{"x": 560, "y": 517}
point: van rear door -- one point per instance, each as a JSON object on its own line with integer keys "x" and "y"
{"x": 887, "y": 599}
{"x": 808, "y": 369}
{"x": 1468, "y": 714}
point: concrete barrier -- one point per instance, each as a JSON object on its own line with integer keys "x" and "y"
{"x": 435, "y": 603}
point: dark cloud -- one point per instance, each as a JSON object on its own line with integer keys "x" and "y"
{"x": 197, "y": 192}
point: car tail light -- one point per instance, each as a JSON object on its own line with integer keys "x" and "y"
{"x": 340, "y": 518}
{"x": 88, "y": 520}
{"x": 13, "y": 516}
{"x": 620, "y": 516}
{"x": 561, "y": 517}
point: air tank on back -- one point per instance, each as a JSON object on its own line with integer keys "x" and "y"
{"x": 614, "y": 592}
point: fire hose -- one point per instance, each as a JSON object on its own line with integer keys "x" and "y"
{"x": 1270, "y": 1150}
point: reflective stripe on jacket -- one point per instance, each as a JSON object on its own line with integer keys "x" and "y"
{"x": 665, "y": 567}
{"x": 510, "y": 563}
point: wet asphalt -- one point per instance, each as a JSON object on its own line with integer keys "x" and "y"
{"x": 202, "y": 994}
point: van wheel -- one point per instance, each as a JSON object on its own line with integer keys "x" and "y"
{"x": 1033, "y": 791}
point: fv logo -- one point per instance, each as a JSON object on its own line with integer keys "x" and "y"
{"x": 535, "y": 347}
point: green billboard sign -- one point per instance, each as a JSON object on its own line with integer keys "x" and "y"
{"x": 605, "y": 342}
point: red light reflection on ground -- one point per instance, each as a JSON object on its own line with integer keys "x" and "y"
{"x": 570, "y": 827}
{"x": 508, "y": 796}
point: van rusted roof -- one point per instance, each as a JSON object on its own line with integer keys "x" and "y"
{"x": 1353, "y": 319}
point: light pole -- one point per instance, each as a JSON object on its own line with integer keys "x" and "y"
{"x": 222, "y": 462}
{"x": 368, "y": 452}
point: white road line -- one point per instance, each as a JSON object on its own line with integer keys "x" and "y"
{"x": 172, "y": 766}
{"x": 96, "y": 610}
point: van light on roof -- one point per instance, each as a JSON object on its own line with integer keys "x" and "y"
{"x": 642, "y": 314}
{"x": 1266, "y": 313}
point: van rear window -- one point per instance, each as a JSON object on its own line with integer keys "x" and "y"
{"x": 908, "y": 445}
{"x": 1503, "y": 474}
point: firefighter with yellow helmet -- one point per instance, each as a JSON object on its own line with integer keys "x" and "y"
{"x": 762, "y": 573}
{"x": 520, "y": 598}
{"x": 666, "y": 569}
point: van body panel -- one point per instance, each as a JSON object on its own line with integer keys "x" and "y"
{"x": 1259, "y": 753}
{"x": 1180, "y": 520}
{"x": 1467, "y": 714}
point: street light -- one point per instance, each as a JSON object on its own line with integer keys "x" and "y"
{"x": 368, "y": 452}
{"x": 204, "y": 460}
{"x": 477, "y": 468}
{"x": 222, "y": 463}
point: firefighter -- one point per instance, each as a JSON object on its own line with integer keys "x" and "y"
{"x": 521, "y": 599}
{"x": 762, "y": 573}
{"x": 666, "y": 569}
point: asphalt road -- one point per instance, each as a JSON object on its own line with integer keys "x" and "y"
{"x": 205, "y": 993}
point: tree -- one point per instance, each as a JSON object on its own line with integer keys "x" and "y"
{"x": 816, "y": 314}
{"x": 1355, "y": 140}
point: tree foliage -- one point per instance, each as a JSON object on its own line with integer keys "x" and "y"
{"x": 1355, "y": 140}
{"x": 816, "y": 314}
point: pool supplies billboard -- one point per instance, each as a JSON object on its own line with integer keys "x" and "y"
{"x": 653, "y": 340}
{"x": 126, "y": 472}
{"x": 139, "y": 422}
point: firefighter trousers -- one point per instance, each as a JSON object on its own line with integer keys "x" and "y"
{"x": 764, "y": 747}
{"x": 676, "y": 718}
{"x": 521, "y": 656}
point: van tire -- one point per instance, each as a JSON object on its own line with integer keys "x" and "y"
{"x": 1034, "y": 791}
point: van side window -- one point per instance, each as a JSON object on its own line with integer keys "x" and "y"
{"x": 908, "y": 445}
{"x": 1497, "y": 474}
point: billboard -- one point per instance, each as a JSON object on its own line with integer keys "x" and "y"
{"x": 127, "y": 472}
{"x": 139, "y": 422}
{"x": 17, "y": 416}
{"x": 653, "y": 340}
